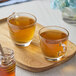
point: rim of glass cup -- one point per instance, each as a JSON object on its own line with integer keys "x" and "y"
{"x": 54, "y": 26}
{"x": 23, "y": 13}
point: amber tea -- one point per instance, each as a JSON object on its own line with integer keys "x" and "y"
{"x": 53, "y": 43}
{"x": 22, "y": 29}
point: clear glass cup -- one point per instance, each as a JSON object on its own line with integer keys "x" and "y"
{"x": 69, "y": 15}
{"x": 22, "y": 27}
{"x": 53, "y": 41}
{"x": 7, "y": 63}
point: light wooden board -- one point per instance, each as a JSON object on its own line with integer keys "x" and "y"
{"x": 31, "y": 57}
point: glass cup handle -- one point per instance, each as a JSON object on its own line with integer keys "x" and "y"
{"x": 64, "y": 47}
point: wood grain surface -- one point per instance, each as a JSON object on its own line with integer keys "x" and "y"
{"x": 3, "y": 1}
{"x": 31, "y": 57}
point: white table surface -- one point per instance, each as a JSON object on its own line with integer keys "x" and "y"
{"x": 47, "y": 17}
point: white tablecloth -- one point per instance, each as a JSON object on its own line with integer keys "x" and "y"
{"x": 45, "y": 16}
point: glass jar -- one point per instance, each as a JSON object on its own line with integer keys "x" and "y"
{"x": 69, "y": 15}
{"x": 7, "y": 63}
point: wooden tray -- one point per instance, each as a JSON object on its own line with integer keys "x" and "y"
{"x": 31, "y": 57}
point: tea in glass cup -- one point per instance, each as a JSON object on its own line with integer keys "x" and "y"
{"x": 22, "y": 28}
{"x": 53, "y": 41}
